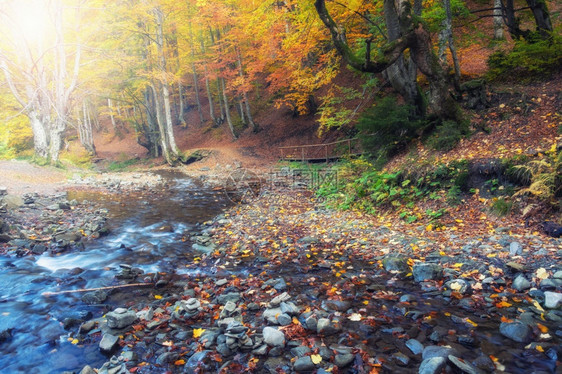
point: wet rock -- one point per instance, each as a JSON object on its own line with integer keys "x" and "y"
{"x": 432, "y": 365}
{"x": 70, "y": 322}
{"x": 300, "y": 351}
{"x": 464, "y": 366}
{"x": 515, "y": 249}
{"x": 280, "y": 298}
{"x": 196, "y": 362}
{"x": 5, "y": 335}
{"x": 146, "y": 314}
{"x": 120, "y": 318}
{"x": 270, "y": 315}
{"x": 39, "y": 249}
{"x": 426, "y": 271}
{"x": 552, "y": 300}
{"x": 167, "y": 358}
{"x": 231, "y": 296}
{"x": 437, "y": 351}
{"x": 326, "y": 327}
{"x": 458, "y": 285}
{"x": 550, "y": 283}
{"x": 514, "y": 266}
{"x": 273, "y": 337}
{"x": 86, "y": 327}
{"x": 516, "y": 331}
{"x": 336, "y": 305}
{"x": 93, "y": 298}
{"x": 343, "y": 360}
{"x": 221, "y": 282}
{"x": 415, "y": 346}
{"x": 108, "y": 343}
{"x": 311, "y": 323}
{"x": 395, "y": 264}
{"x": 303, "y": 364}
{"x": 290, "y": 308}
{"x": 401, "y": 359}
{"x": 520, "y": 283}
{"x": 87, "y": 370}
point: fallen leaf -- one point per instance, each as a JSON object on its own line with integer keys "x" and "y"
{"x": 198, "y": 332}
{"x": 316, "y": 359}
{"x": 157, "y": 297}
{"x": 179, "y": 362}
{"x": 355, "y": 317}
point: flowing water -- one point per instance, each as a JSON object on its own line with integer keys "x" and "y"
{"x": 145, "y": 233}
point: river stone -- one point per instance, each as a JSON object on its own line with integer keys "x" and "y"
{"x": 231, "y": 296}
{"x": 279, "y": 299}
{"x": 326, "y": 327}
{"x": 464, "y": 366}
{"x": 552, "y": 300}
{"x": 96, "y": 297}
{"x": 3, "y": 190}
{"x": 120, "y": 318}
{"x": 273, "y": 337}
{"x": 520, "y": 283}
{"x": 426, "y": 271}
{"x": 87, "y": 370}
{"x": 458, "y": 285}
{"x": 415, "y": 346}
{"x": 432, "y": 365}
{"x": 290, "y": 308}
{"x": 343, "y": 360}
{"x": 516, "y": 331}
{"x": 395, "y": 264}
{"x": 196, "y": 362}
{"x": 437, "y": 351}
{"x": 515, "y": 249}
{"x": 303, "y": 364}
{"x": 108, "y": 343}
{"x": 401, "y": 359}
{"x": 270, "y": 315}
{"x": 13, "y": 202}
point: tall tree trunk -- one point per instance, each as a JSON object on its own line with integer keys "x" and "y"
{"x": 195, "y": 78}
{"x": 542, "y": 17}
{"x": 400, "y": 76}
{"x": 166, "y": 152}
{"x": 418, "y": 40}
{"x": 210, "y": 97}
{"x": 226, "y": 108}
{"x": 498, "y": 20}
{"x": 446, "y": 39}
{"x": 40, "y": 138}
{"x": 168, "y": 125}
{"x": 245, "y": 94}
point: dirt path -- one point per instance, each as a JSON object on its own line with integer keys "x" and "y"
{"x": 21, "y": 177}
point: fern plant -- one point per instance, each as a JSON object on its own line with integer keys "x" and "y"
{"x": 544, "y": 176}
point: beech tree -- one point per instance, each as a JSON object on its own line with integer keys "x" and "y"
{"x": 413, "y": 36}
{"x": 34, "y": 58}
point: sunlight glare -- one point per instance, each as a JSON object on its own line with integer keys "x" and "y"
{"x": 31, "y": 19}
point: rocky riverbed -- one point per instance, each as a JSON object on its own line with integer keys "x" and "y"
{"x": 284, "y": 285}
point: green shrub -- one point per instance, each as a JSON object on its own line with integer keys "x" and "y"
{"x": 527, "y": 60}
{"x": 388, "y": 127}
{"x": 447, "y": 135}
{"x": 501, "y": 206}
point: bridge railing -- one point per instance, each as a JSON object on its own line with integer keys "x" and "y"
{"x": 322, "y": 152}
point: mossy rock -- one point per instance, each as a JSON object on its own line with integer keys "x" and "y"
{"x": 194, "y": 156}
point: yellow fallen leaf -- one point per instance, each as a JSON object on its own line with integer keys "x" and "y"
{"x": 538, "y": 306}
{"x": 542, "y": 273}
{"x": 74, "y": 341}
{"x": 355, "y": 317}
{"x": 429, "y": 227}
{"x": 179, "y": 362}
{"x": 455, "y": 286}
{"x": 543, "y": 328}
{"x": 471, "y": 322}
{"x": 539, "y": 348}
{"x": 157, "y": 297}
{"x": 316, "y": 359}
{"x": 296, "y": 321}
{"x": 198, "y": 332}
{"x": 458, "y": 265}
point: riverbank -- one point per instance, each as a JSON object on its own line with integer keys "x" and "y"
{"x": 284, "y": 284}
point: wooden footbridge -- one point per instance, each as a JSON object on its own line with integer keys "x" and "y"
{"x": 324, "y": 152}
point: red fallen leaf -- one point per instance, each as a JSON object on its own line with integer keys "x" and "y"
{"x": 134, "y": 369}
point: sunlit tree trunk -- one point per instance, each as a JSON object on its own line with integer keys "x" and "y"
{"x": 167, "y": 126}
{"x": 195, "y": 77}
{"x": 227, "y": 108}
{"x": 498, "y": 20}
{"x": 245, "y": 95}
